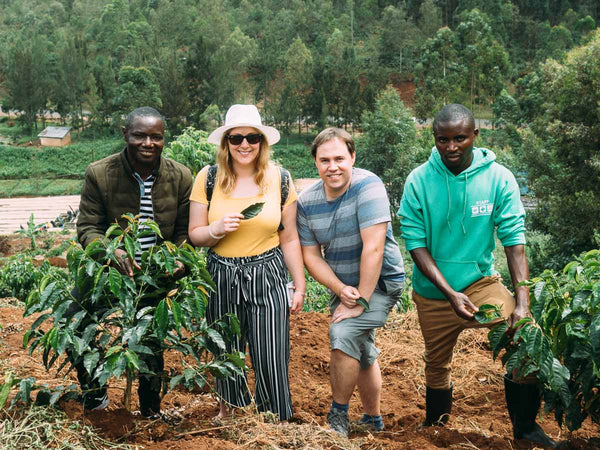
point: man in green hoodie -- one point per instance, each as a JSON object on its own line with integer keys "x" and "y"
{"x": 449, "y": 211}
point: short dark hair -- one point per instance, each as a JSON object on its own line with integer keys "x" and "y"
{"x": 143, "y": 111}
{"x": 452, "y": 113}
{"x": 331, "y": 133}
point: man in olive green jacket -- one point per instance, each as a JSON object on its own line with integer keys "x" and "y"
{"x": 138, "y": 181}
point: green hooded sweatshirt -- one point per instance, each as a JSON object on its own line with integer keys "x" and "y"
{"x": 454, "y": 217}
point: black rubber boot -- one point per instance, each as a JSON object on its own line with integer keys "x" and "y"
{"x": 523, "y": 402}
{"x": 438, "y": 404}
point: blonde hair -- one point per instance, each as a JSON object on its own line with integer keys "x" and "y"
{"x": 226, "y": 175}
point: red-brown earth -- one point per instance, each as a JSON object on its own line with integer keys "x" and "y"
{"x": 479, "y": 417}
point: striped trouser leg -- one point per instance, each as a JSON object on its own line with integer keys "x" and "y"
{"x": 268, "y": 338}
{"x": 260, "y": 302}
{"x": 233, "y": 391}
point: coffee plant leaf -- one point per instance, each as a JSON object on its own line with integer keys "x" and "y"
{"x": 5, "y": 388}
{"x": 161, "y": 319}
{"x": 175, "y": 381}
{"x": 216, "y": 338}
{"x": 130, "y": 247}
{"x": 252, "y": 210}
{"x": 113, "y": 230}
{"x": 363, "y": 302}
{"x": 488, "y": 313}
{"x": 90, "y": 361}
{"x": 595, "y": 339}
{"x": 177, "y": 314}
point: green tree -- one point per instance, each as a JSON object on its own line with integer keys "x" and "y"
{"x": 298, "y": 81}
{"x": 136, "y": 87}
{"x": 438, "y": 74}
{"x": 485, "y": 60}
{"x": 176, "y": 105}
{"x": 561, "y": 149}
{"x": 389, "y": 145}
{"x": 230, "y": 62}
{"x": 27, "y": 80}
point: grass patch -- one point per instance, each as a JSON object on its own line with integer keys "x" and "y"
{"x": 37, "y": 427}
{"x": 39, "y": 187}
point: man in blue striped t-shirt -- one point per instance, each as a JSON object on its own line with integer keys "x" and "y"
{"x": 344, "y": 223}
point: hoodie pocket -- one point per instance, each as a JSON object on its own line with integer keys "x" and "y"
{"x": 459, "y": 274}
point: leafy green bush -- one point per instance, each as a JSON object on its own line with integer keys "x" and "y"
{"x": 19, "y": 275}
{"x": 317, "y": 296}
{"x": 191, "y": 149}
{"x": 562, "y": 345}
{"x": 127, "y": 316}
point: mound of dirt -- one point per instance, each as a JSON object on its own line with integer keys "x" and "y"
{"x": 479, "y": 417}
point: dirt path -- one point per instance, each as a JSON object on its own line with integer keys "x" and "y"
{"x": 16, "y": 211}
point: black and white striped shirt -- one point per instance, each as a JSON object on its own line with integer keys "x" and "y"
{"x": 146, "y": 213}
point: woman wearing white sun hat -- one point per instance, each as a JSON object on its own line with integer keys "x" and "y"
{"x": 248, "y": 257}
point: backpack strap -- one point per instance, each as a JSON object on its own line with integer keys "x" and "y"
{"x": 285, "y": 189}
{"x": 211, "y": 178}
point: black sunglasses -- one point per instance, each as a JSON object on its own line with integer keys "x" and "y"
{"x": 237, "y": 139}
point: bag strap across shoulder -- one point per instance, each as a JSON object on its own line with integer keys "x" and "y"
{"x": 211, "y": 179}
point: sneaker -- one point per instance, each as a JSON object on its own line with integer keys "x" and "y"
{"x": 171, "y": 419}
{"x": 338, "y": 421}
{"x": 364, "y": 422}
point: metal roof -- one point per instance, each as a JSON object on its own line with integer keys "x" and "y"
{"x": 55, "y": 132}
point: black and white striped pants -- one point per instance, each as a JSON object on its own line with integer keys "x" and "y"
{"x": 253, "y": 288}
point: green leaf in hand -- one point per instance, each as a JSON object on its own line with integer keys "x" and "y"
{"x": 488, "y": 313}
{"x": 252, "y": 210}
{"x": 362, "y": 302}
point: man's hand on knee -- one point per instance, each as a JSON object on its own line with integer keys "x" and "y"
{"x": 343, "y": 312}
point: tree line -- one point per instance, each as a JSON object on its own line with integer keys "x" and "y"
{"x": 534, "y": 66}
{"x": 305, "y": 61}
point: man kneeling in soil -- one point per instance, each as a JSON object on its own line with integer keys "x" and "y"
{"x": 450, "y": 208}
{"x": 137, "y": 180}
{"x": 345, "y": 231}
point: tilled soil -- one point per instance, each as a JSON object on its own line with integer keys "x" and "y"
{"x": 479, "y": 417}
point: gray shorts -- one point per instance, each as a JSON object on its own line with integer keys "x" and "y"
{"x": 356, "y": 336}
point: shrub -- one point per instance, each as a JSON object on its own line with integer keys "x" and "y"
{"x": 127, "y": 316}
{"x": 19, "y": 275}
{"x": 192, "y": 149}
{"x": 317, "y": 296}
{"x": 562, "y": 346}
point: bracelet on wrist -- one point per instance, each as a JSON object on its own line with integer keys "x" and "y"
{"x": 214, "y": 236}
{"x": 302, "y": 293}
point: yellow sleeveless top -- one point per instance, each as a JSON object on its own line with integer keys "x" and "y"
{"x": 256, "y": 235}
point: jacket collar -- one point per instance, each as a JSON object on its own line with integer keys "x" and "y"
{"x": 129, "y": 169}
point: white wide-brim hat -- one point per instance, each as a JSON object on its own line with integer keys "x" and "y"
{"x": 243, "y": 116}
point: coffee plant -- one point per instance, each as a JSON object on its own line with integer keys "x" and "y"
{"x": 191, "y": 149}
{"x": 19, "y": 275}
{"x": 117, "y": 316}
{"x": 561, "y": 344}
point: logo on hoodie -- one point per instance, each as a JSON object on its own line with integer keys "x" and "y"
{"x": 482, "y": 208}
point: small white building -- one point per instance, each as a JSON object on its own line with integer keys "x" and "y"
{"x": 55, "y": 136}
